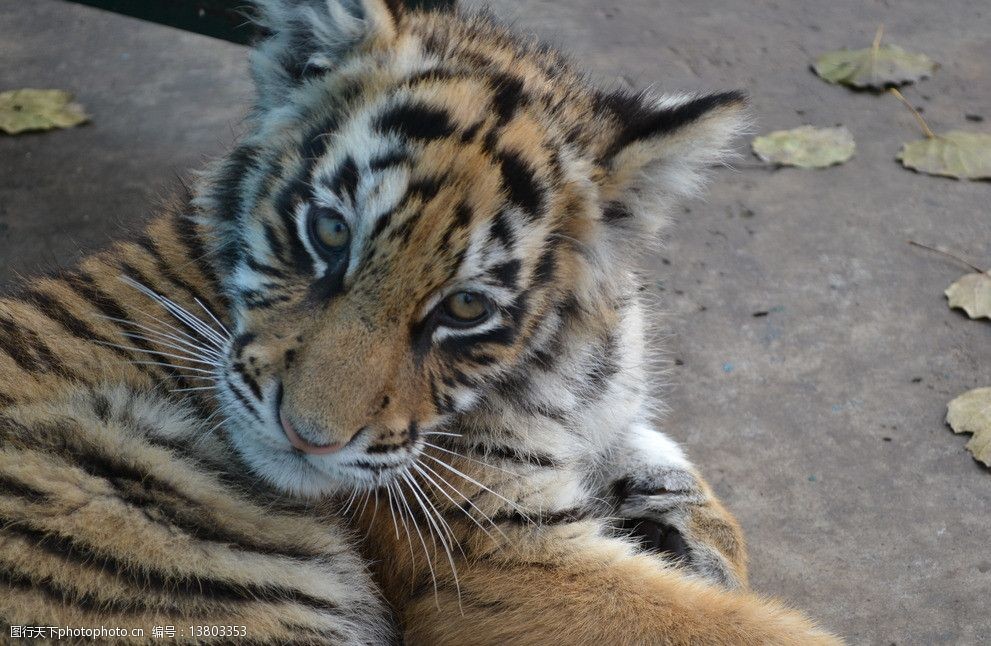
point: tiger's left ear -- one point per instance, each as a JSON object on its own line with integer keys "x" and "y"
{"x": 658, "y": 151}
{"x": 306, "y": 38}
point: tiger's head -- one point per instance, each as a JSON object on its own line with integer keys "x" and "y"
{"x": 422, "y": 204}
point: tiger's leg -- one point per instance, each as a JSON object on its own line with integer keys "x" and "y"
{"x": 670, "y": 510}
{"x": 569, "y": 584}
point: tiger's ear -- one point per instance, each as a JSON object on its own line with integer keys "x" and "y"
{"x": 659, "y": 150}
{"x": 306, "y": 38}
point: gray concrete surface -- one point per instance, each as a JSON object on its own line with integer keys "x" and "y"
{"x": 821, "y": 422}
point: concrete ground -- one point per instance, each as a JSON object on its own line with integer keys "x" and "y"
{"x": 813, "y": 350}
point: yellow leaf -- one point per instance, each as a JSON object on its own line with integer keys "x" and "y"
{"x": 806, "y": 147}
{"x": 972, "y": 294}
{"x": 26, "y": 110}
{"x": 874, "y": 67}
{"x": 971, "y": 413}
{"x": 959, "y": 154}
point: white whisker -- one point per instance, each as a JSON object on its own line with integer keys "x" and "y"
{"x": 193, "y": 355}
{"x": 426, "y": 552}
{"x": 402, "y": 518}
{"x": 155, "y": 352}
{"x": 395, "y": 525}
{"x": 441, "y": 433}
{"x": 420, "y": 465}
{"x": 375, "y": 510}
{"x": 467, "y": 477}
{"x": 188, "y": 341}
{"x": 347, "y": 508}
{"x": 177, "y": 368}
{"x": 214, "y": 318}
{"x": 470, "y": 459}
{"x": 179, "y": 312}
{"x": 417, "y": 493}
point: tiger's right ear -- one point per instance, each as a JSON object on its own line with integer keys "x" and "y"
{"x": 306, "y": 38}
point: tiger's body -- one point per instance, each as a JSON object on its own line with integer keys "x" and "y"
{"x": 118, "y": 507}
{"x": 412, "y": 282}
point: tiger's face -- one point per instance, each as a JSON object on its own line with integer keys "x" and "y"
{"x": 407, "y": 223}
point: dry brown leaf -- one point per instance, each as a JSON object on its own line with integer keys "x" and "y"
{"x": 971, "y": 413}
{"x": 972, "y": 294}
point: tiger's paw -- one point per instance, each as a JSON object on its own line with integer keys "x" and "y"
{"x": 672, "y": 513}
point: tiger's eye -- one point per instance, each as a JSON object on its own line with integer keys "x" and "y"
{"x": 331, "y": 232}
{"x": 467, "y": 307}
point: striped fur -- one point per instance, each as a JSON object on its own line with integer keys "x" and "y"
{"x": 118, "y": 506}
{"x": 164, "y": 404}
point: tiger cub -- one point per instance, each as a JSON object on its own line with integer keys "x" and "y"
{"x": 407, "y": 297}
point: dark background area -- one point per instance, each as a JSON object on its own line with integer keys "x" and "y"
{"x": 820, "y": 422}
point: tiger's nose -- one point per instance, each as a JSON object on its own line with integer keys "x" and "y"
{"x": 305, "y": 445}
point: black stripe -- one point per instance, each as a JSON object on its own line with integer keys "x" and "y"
{"x": 416, "y": 120}
{"x": 55, "y": 311}
{"x": 29, "y": 352}
{"x": 521, "y": 183}
{"x": 242, "y": 371}
{"x": 60, "y": 595}
{"x": 263, "y": 268}
{"x": 458, "y": 344}
{"x": 404, "y": 231}
{"x": 135, "y": 274}
{"x": 380, "y": 225}
{"x": 507, "y": 273}
{"x": 255, "y": 300}
{"x": 430, "y": 75}
{"x": 508, "y": 97}
{"x": 462, "y": 215}
{"x": 195, "y": 586}
{"x": 639, "y": 121}
{"x": 11, "y": 343}
{"x": 295, "y": 192}
{"x": 274, "y": 244}
{"x": 388, "y": 160}
{"x": 248, "y": 405}
{"x": 165, "y": 269}
{"x": 543, "y": 273}
{"x": 425, "y": 188}
{"x": 344, "y": 182}
{"x": 563, "y": 517}
{"x": 185, "y": 228}
{"x": 616, "y": 212}
{"x": 604, "y": 367}
{"x": 11, "y": 487}
{"x": 500, "y": 230}
{"x": 513, "y": 455}
{"x": 227, "y": 191}
{"x": 86, "y": 288}
{"x": 316, "y": 140}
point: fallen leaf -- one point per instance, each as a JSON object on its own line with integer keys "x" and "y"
{"x": 972, "y": 294}
{"x": 26, "y": 110}
{"x": 806, "y": 147}
{"x": 971, "y": 413}
{"x": 959, "y": 154}
{"x": 874, "y": 67}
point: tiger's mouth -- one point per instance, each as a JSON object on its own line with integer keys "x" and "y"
{"x": 283, "y": 452}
